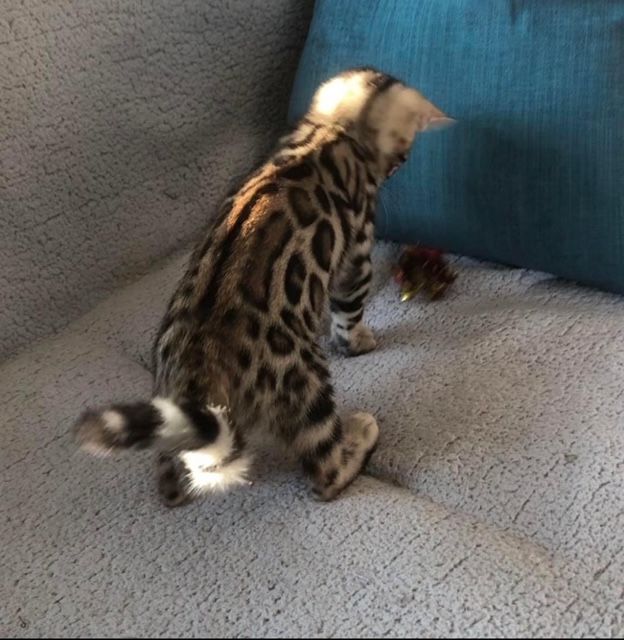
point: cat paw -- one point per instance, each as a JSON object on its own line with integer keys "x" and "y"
{"x": 172, "y": 482}
{"x": 360, "y": 340}
{"x": 363, "y": 429}
{"x": 360, "y": 436}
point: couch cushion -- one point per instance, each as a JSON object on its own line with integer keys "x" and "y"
{"x": 121, "y": 127}
{"x": 499, "y": 421}
{"x": 503, "y": 400}
{"x": 88, "y": 551}
{"x": 128, "y": 319}
{"x": 531, "y": 176}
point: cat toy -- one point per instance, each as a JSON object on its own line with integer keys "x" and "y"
{"x": 422, "y": 269}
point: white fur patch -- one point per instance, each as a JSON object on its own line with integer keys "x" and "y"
{"x": 205, "y": 467}
{"x": 204, "y": 476}
{"x": 224, "y": 444}
{"x": 113, "y": 421}
{"x": 207, "y": 471}
{"x": 341, "y": 99}
{"x": 175, "y": 422}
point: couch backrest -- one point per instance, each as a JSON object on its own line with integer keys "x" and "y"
{"x": 121, "y": 124}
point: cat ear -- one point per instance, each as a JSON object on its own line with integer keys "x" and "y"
{"x": 437, "y": 122}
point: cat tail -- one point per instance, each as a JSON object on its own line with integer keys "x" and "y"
{"x": 191, "y": 430}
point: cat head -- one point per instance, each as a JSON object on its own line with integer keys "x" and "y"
{"x": 379, "y": 111}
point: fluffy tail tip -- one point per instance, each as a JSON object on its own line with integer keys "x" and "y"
{"x": 98, "y": 432}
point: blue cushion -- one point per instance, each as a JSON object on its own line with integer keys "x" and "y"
{"x": 533, "y": 174}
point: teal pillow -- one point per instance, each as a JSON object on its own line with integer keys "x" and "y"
{"x": 533, "y": 174}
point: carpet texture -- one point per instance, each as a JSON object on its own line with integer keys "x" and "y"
{"x": 493, "y": 507}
